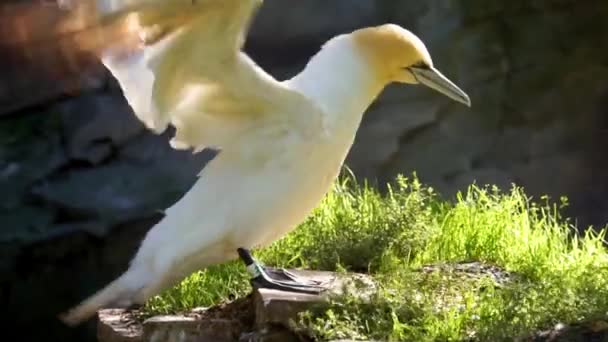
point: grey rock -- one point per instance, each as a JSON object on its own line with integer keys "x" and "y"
{"x": 353, "y": 341}
{"x": 547, "y": 175}
{"x": 278, "y": 24}
{"x": 512, "y": 145}
{"x": 274, "y": 334}
{"x": 117, "y": 325}
{"x": 479, "y": 177}
{"x": 30, "y": 150}
{"x": 25, "y": 224}
{"x": 93, "y": 226}
{"x": 549, "y": 140}
{"x": 380, "y": 137}
{"x": 114, "y": 193}
{"x": 437, "y": 152}
{"x": 145, "y": 176}
{"x": 274, "y": 307}
{"x": 155, "y": 151}
{"x": 95, "y": 124}
{"x": 473, "y": 272}
{"x": 279, "y": 307}
{"x": 189, "y": 329}
{"x": 590, "y": 330}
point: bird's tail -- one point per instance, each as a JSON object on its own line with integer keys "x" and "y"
{"x": 119, "y": 293}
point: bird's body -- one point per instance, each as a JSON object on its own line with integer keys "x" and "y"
{"x": 282, "y": 144}
{"x": 265, "y": 183}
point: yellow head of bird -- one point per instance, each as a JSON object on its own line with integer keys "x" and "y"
{"x": 397, "y": 55}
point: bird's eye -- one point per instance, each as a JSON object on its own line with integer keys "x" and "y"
{"x": 420, "y": 65}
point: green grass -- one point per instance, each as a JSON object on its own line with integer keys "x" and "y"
{"x": 560, "y": 276}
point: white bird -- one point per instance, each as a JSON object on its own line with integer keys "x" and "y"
{"x": 282, "y": 144}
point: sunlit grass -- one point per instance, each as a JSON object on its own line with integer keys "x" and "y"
{"x": 560, "y": 276}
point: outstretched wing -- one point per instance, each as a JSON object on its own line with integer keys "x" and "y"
{"x": 180, "y": 62}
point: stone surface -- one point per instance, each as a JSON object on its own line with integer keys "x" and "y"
{"x": 278, "y": 307}
{"x": 117, "y": 325}
{"x": 274, "y": 334}
{"x": 224, "y": 322}
{"x": 472, "y": 271}
{"x": 113, "y": 193}
{"x": 188, "y": 329}
{"x": 581, "y": 332}
{"x": 30, "y": 151}
{"x": 274, "y": 307}
{"x": 262, "y": 317}
{"x": 351, "y": 341}
{"x": 121, "y": 326}
{"x": 26, "y": 223}
{"x": 96, "y": 125}
{"x": 277, "y": 24}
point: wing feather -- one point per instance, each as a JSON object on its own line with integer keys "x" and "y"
{"x": 179, "y": 63}
{"x": 203, "y": 84}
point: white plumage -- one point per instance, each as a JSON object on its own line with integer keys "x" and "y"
{"x": 282, "y": 143}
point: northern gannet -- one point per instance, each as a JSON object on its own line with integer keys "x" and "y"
{"x": 282, "y": 144}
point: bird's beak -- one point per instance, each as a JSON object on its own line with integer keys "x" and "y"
{"x": 432, "y": 78}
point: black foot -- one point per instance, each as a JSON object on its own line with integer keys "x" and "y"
{"x": 277, "y": 279}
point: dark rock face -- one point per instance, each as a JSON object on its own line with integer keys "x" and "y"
{"x": 538, "y": 86}
{"x": 82, "y": 181}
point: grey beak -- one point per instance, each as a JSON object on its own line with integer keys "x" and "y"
{"x": 432, "y": 78}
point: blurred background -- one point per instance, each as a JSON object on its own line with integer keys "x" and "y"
{"x": 81, "y": 181}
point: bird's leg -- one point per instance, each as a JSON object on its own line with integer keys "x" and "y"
{"x": 278, "y": 279}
